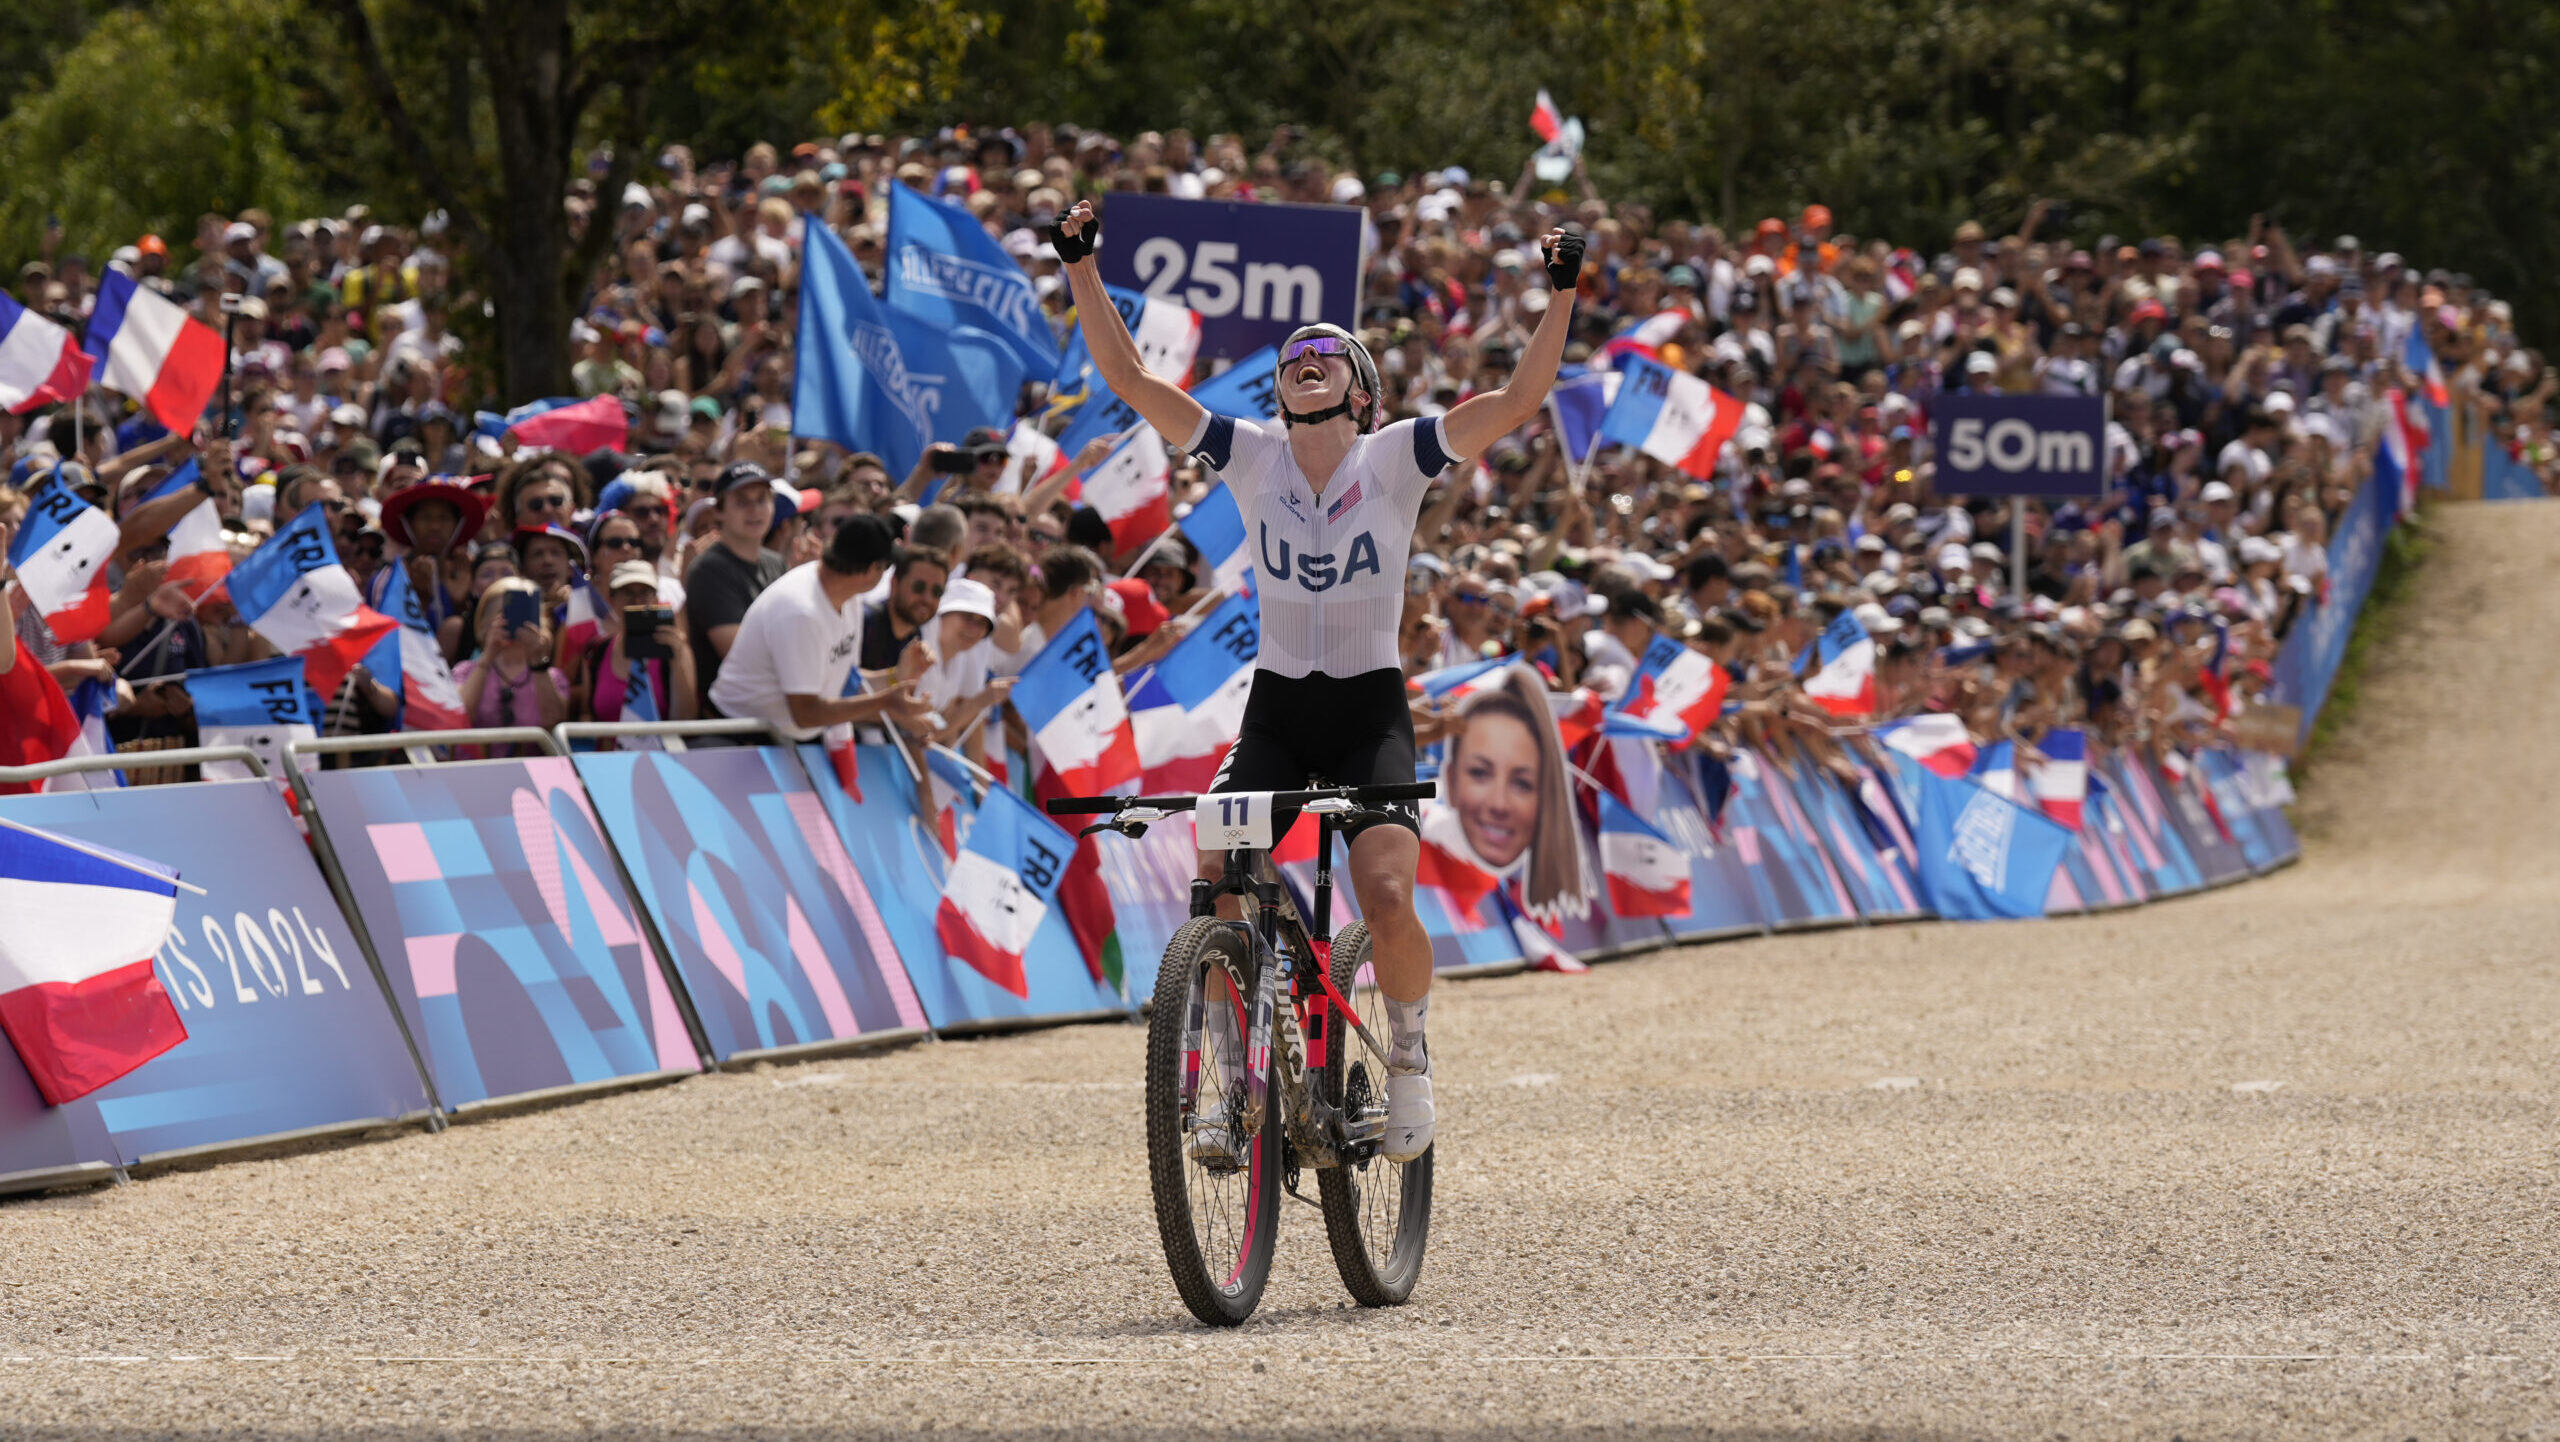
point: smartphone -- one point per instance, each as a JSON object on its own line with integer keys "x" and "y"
{"x": 640, "y": 632}
{"x": 952, "y": 463}
{"x": 522, "y": 610}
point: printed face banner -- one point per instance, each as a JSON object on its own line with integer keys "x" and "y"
{"x": 287, "y": 1028}
{"x": 899, "y": 857}
{"x": 1505, "y": 822}
{"x": 778, "y": 938}
{"x": 502, "y": 926}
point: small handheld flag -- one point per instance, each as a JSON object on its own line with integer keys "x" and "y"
{"x": 1079, "y": 721}
{"x": 154, "y": 351}
{"x": 293, "y": 592}
{"x": 1672, "y": 416}
{"x": 1188, "y": 709}
{"x": 1000, "y": 888}
{"x": 61, "y": 554}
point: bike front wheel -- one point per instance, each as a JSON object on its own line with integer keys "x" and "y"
{"x": 1217, "y": 1190}
{"x": 1377, "y": 1213}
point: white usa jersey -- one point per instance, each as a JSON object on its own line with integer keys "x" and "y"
{"x": 1328, "y": 570}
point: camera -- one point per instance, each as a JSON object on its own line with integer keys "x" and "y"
{"x": 640, "y": 626}
{"x": 952, "y": 463}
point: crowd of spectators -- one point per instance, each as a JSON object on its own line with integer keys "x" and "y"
{"x": 2248, "y": 377}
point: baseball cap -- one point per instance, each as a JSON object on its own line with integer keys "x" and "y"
{"x": 981, "y": 440}
{"x": 239, "y": 230}
{"x": 1138, "y": 605}
{"x": 738, "y": 474}
{"x": 632, "y": 573}
{"x": 152, "y": 245}
{"x": 2214, "y": 491}
{"x": 968, "y": 598}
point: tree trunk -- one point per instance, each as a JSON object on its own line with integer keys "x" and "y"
{"x": 525, "y": 49}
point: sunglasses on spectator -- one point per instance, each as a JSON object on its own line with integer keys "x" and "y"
{"x": 644, "y": 512}
{"x": 542, "y": 503}
{"x": 1047, "y": 538}
{"x": 919, "y": 586}
{"x": 618, "y": 543}
{"x": 335, "y": 508}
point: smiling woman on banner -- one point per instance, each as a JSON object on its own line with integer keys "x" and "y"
{"x": 1508, "y": 815}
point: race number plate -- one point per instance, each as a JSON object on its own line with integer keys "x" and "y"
{"x": 1232, "y": 820}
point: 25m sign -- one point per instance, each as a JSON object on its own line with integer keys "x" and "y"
{"x": 1254, "y": 273}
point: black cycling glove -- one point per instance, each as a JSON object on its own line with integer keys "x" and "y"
{"x": 1073, "y": 248}
{"x": 1564, "y": 261}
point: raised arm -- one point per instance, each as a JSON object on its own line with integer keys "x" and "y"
{"x": 1480, "y": 420}
{"x": 1163, "y": 403}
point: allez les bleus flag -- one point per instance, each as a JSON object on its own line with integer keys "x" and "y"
{"x": 870, "y": 378}
{"x": 293, "y": 591}
{"x": 60, "y": 555}
{"x": 1083, "y": 743}
{"x": 1672, "y": 416}
{"x": 1187, "y": 708}
{"x": 1000, "y": 887}
{"x": 78, "y": 995}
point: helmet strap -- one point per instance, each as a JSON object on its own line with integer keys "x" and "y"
{"x": 1316, "y": 418}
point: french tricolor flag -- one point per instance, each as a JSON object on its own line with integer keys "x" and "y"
{"x": 198, "y": 555}
{"x": 1133, "y": 490}
{"x": 1215, "y": 525}
{"x": 1844, "y": 682}
{"x": 2420, "y": 358}
{"x": 1648, "y": 875}
{"x": 953, "y": 788}
{"x": 2061, "y": 784}
{"x": 60, "y": 555}
{"x": 78, "y": 995}
{"x": 1937, "y": 740}
{"x": 293, "y": 592}
{"x": 1672, "y": 416}
{"x": 262, "y": 705}
{"x": 1188, "y": 708}
{"x": 1000, "y": 887}
{"x": 1674, "y": 683}
{"x": 89, "y": 702}
{"x": 2402, "y": 440}
{"x": 1544, "y": 119}
{"x": 1452, "y": 684}
{"x": 40, "y": 362}
{"x": 430, "y": 699}
{"x": 1079, "y": 721}
{"x": 155, "y": 352}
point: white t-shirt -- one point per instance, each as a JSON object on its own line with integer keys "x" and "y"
{"x": 1331, "y": 567}
{"x": 790, "y": 642}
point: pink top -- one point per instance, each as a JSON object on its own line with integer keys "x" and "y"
{"x": 500, "y": 708}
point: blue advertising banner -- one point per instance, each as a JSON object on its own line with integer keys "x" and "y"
{"x": 2167, "y": 866}
{"x": 900, "y": 858}
{"x": 779, "y": 941}
{"x": 2181, "y": 814}
{"x": 1872, "y": 875}
{"x": 2317, "y": 645}
{"x": 287, "y": 1029}
{"x": 502, "y": 926}
{"x": 1253, "y": 272}
{"x": 1722, "y": 899}
{"x": 1777, "y": 840}
{"x": 2000, "y": 445}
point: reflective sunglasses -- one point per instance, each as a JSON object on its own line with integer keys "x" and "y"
{"x": 618, "y": 543}
{"x": 1315, "y": 345}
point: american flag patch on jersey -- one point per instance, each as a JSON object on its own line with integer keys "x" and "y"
{"x": 1342, "y": 503}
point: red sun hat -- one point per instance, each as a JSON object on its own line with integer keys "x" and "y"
{"x": 449, "y": 489}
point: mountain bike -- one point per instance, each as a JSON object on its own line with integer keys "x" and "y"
{"x": 1245, "y": 1094}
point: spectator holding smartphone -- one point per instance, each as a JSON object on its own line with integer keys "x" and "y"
{"x": 511, "y": 682}
{"x": 623, "y": 658}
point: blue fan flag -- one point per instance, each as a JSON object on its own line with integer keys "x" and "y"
{"x": 881, "y": 380}
{"x": 943, "y": 267}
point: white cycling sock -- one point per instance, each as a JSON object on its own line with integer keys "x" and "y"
{"x": 1404, "y": 1030}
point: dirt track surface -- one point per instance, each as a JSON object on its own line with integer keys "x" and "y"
{"x": 2275, "y": 1161}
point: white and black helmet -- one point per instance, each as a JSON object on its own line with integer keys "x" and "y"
{"x": 1364, "y": 377}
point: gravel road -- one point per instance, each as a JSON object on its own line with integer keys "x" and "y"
{"x": 2275, "y": 1161}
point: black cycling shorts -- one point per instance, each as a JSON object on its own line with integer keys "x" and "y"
{"x": 1353, "y": 731}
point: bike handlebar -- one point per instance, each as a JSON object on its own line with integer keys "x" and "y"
{"x": 1105, "y": 805}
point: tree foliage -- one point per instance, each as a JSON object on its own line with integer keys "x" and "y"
{"x": 2427, "y": 126}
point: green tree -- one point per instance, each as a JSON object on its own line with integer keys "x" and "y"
{"x": 156, "y": 116}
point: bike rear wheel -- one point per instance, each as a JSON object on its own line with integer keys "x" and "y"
{"x": 1377, "y": 1213}
{"x": 1217, "y": 1195}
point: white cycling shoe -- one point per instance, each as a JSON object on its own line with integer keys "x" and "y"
{"x": 1409, "y": 1115}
